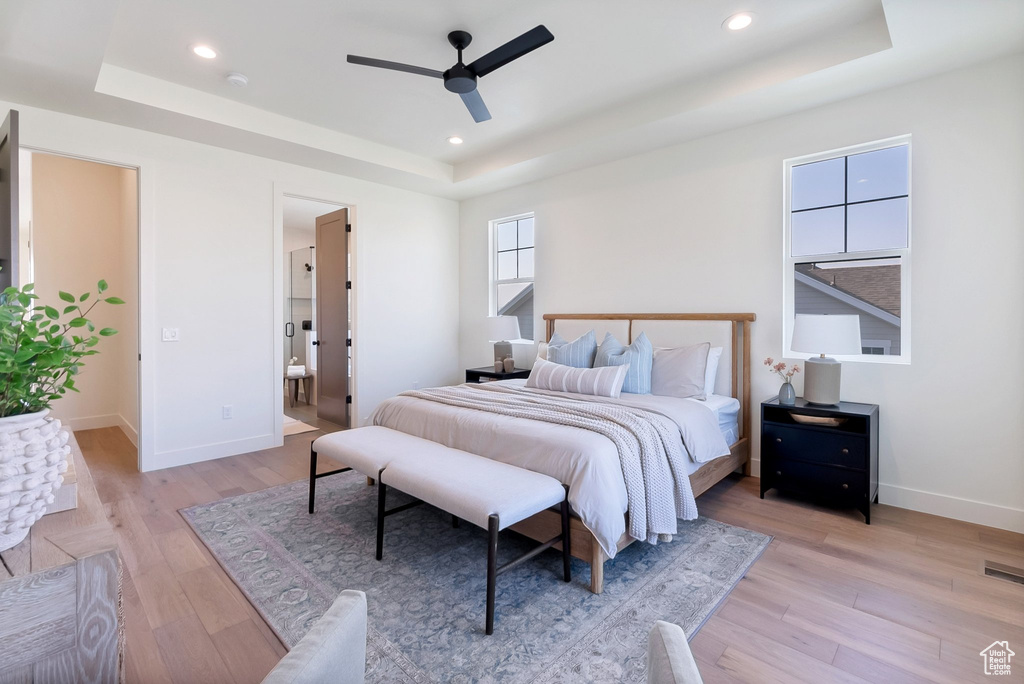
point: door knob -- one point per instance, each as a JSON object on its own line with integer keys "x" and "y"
{"x": 778, "y": 472}
{"x": 846, "y": 486}
{"x": 779, "y": 440}
{"x": 846, "y": 451}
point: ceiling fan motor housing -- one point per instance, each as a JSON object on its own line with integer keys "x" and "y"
{"x": 459, "y": 79}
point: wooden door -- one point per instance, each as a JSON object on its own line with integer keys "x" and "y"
{"x": 9, "y": 201}
{"x": 332, "y": 317}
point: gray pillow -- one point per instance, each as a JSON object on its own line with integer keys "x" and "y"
{"x": 639, "y": 356}
{"x": 579, "y": 353}
{"x": 680, "y": 372}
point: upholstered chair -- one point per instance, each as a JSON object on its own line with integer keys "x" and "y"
{"x": 334, "y": 650}
{"x": 669, "y": 660}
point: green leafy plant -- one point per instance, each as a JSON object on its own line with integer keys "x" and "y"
{"x": 42, "y": 350}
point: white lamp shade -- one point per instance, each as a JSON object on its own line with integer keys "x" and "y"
{"x": 502, "y": 328}
{"x": 826, "y": 334}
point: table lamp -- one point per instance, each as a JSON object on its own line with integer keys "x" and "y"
{"x": 501, "y": 329}
{"x": 825, "y": 334}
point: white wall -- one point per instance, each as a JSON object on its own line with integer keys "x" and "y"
{"x": 698, "y": 227}
{"x": 208, "y": 268}
{"x": 84, "y": 227}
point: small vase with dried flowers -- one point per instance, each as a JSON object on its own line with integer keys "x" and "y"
{"x": 787, "y": 395}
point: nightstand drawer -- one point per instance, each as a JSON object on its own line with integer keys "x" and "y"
{"x": 814, "y": 445}
{"x": 817, "y": 480}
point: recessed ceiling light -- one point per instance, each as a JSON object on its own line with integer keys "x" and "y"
{"x": 204, "y": 51}
{"x": 455, "y": 140}
{"x": 738, "y": 22}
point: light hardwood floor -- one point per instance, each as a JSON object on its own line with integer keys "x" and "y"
{"x": 831, "y": 599}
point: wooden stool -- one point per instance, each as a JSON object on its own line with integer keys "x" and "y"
{"x": 293, "y": 387}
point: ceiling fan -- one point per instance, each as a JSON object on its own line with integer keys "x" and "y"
{"x": 462, "y": 78}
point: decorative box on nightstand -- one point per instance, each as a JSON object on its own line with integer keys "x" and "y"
{"x": 828, "y": 453}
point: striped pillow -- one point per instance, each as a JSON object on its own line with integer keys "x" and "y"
{"x": 600, "y": 382}
{"x": 639, "y": 357}
{"x": 579, "y": 353}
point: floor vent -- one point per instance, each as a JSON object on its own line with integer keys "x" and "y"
{"x": 1004, "y": 572}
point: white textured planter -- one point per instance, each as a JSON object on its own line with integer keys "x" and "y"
{"x": 33, "y": 458}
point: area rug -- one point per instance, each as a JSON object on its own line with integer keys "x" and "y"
{"x": 296, "y": 427}
{"x": 426, "y": 597}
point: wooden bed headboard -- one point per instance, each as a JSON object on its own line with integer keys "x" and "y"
{"x": 731, "y": 331}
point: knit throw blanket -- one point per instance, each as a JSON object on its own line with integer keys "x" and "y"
{"x": 650, "y": 447}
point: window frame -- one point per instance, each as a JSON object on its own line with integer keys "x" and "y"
{"x": 904, "y": 254}
{"x": 493, "y": 282}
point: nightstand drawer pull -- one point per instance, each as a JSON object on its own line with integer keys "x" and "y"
{"x": 845, "y": 451}
{"x": 846, "y": 486}
{"x": 779, "y": 440}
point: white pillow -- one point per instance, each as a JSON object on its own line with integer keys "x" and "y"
{"x": 600, "y": 382}
{"x": 680, "y": 372}
{"x": 711, "y": 372}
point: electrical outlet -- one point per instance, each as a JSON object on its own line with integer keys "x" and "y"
{"x": 415, "y": 384}
{"x": 226, "y": 412}
{"x": 171, "y": 335}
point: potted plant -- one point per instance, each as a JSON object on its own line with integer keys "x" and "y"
{"x": 42, "y": 351}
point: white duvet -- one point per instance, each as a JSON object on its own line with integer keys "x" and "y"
{"x": 586, "y": 461}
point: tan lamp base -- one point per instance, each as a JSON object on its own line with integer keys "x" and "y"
{"x": 822, "y": 381}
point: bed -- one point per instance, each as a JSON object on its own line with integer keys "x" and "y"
{"x": 587, "y": 461}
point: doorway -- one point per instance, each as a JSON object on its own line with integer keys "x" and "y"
{"x": 316, "y": 297}
{"x": 78, "y": 224}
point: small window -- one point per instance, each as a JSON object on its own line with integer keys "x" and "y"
{"x": 512, "y": 270}
{"x": 847, "y": 243}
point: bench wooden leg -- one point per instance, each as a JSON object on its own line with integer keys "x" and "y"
{"x": 597, "y": 559}
{"x": 566, "y": 544}
{"x": 382, "y": 492}
{"x": 492, "y": 569}
{"x": 455, "y": 521}
{"x": 312, "y": 477}
{"x": 370, "y": 482}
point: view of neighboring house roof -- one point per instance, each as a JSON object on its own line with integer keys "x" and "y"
{"x": 878, "y": 286}
{"x": 521, "y": 306}
{"x": 513, "y": 305}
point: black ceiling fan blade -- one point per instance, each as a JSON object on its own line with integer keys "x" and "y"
{"x": 513, "y": 49}
{"x": 394, "y": 66}
{"x": 475, "y": 105}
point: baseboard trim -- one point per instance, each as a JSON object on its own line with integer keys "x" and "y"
{"x": 129, "y": 432}
{"x": 94, "y": 422}
{"x": 206, "y": 452}
{"x": 966, "y": 510}
{"x": 978, "y": 512}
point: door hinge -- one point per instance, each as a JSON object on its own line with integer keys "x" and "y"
{"x": 348, "y": 227}
{"x": 140, "y": 357}
{"x": 348, "y": 399}
{"x": 348, "y": 342}
{"x": 348, "y": 284}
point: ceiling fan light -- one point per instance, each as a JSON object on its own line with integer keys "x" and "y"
{"x": 740, "y": 21}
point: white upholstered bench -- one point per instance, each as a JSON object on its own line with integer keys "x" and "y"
{"x": 485, "y": 492}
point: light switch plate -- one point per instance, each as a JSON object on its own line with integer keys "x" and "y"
{"x": 171, "y": 335}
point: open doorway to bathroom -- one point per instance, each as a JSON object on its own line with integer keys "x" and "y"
{"x": 78, "y": 224}
{"x": 316, "y": 266}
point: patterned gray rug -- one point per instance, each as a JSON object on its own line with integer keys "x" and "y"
{"x": 426, "y": 598}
